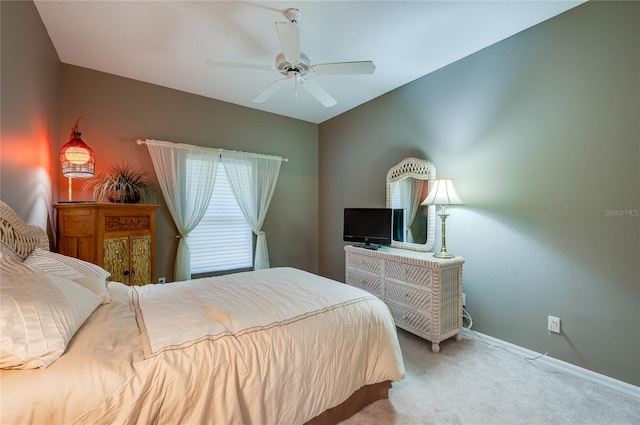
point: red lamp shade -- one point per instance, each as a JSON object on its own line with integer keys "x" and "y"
{"x": 76, "y": 157}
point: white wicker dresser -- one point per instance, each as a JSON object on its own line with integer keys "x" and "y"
{"x": 423, "y": 293}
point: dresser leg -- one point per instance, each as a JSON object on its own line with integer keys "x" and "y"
{"x": 435, "y": 347}
{"x": 459, "y": 337}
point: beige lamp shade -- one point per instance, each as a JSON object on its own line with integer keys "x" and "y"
{"x": 442, "y": 193}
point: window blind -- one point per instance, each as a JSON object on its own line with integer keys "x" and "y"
{"x": 222, "y": 240}
{"x": 395, "y": 196}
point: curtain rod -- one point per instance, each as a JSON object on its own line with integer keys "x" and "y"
{"x": 187, "y": 146}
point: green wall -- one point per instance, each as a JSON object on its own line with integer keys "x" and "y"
{"x": 541, "y": 136}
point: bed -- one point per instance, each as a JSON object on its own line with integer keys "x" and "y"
{"x": 276, "y": 346}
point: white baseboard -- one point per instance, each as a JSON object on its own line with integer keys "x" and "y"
{"x": 617, "y": 385}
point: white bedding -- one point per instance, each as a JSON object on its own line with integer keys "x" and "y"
{"x": 278, "y": 346}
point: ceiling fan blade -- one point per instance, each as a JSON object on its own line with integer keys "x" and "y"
{"x": 270, "y": 90}
{"x": 342, "y": 68}
{"x": 240, "y": 65}
{"x": 319, "y": 93}
{"x": 289, "y": 40}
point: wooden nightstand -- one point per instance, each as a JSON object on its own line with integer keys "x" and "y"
{"x": 423, "y": 293}
{"x": 118, "y": 237}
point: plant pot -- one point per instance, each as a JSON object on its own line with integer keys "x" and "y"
{"x": 129, "y": 197}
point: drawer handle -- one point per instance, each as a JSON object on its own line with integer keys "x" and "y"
{"x": 406, "y": 294}
{"x": 404, "y": 317}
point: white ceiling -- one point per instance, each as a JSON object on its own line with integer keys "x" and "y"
{"x": 168, "y": 42}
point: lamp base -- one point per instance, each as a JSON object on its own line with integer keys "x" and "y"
{"x": 444, "y": 254}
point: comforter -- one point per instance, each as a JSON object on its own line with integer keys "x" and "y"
{"x": 276, "y": 346}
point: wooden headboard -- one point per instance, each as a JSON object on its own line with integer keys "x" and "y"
{"x": 18, "y": 237}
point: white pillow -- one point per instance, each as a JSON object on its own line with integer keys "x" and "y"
{"x": 39, "y": 315}
{"x": 91, "y": 276}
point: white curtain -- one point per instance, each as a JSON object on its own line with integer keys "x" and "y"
{"x": 253, "y": 180}
{"x": 410, "y": 192}
{"x": 170, "y": 164}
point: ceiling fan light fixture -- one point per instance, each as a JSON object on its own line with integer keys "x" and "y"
{"x": 301, "y": 67}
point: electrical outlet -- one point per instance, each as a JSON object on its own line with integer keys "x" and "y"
{"x": 161, "y": 280}
{"x": 464, "y": 299}
{"x": 554, "y": 324}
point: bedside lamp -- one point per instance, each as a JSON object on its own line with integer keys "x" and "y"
{"x": 443, "y": 193}
{"x": 77, "y": 158}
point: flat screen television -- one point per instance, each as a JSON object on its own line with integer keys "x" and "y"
{"x": 368, "y": 227}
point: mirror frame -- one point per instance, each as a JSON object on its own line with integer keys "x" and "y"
{"x": 422, "y": 170}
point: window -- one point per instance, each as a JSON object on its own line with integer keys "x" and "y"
{"x": 222, "y": 240}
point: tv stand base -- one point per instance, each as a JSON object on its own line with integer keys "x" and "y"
{"x": 367, "y": 246}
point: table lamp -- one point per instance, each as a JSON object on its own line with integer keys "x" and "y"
{"x": 77, "y": 158}
{"x": 443, "y": 193}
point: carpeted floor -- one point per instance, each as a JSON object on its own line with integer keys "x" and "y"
{"x": 472, "y": 383}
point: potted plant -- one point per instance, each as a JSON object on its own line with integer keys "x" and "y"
{"x": 123, "y": 183}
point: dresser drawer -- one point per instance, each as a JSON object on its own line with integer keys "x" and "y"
{"x": 124, "y": 223}
{"x": 369, "y": 283}
{"x": 366, "y": 263}
{"x": 406, "y": 318}
{"x": 407, "y": 273}
{"x": 415, "y": 298}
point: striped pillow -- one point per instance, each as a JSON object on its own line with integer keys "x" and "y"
{"x": 39, "y": 315}
{"x": 91, "y": 276}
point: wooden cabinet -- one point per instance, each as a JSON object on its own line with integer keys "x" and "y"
{"x": 423, "y": 293}
{"x": 118, "y": 237}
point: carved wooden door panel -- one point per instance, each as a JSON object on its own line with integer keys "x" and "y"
{"x": 140, "y": 260}
{"x": 116, "y": 258}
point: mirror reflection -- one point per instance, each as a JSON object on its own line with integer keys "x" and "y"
{"x": 408, "y": 184}
{"x": 409, "y": 217}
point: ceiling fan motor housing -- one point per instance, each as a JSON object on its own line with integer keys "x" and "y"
{"x": 301, "y": 67}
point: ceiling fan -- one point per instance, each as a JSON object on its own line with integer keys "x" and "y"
{"x": 294, "y": 64}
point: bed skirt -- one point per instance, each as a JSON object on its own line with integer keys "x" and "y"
{"x": 358, "y": 401}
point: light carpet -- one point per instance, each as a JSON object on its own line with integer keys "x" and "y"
{"x": 473, "y": 383}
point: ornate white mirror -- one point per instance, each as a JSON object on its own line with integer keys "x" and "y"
{"x": 408, "y": 183}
